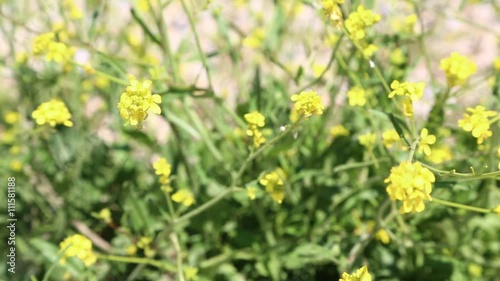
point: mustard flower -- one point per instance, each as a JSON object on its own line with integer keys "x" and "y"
{"x": 105, "y": 215}
{"x": 412, "y": 184}
{"x": 368, "y": 140}
{"x": 11, "y": 117}
{"x": 440, "y": 154}
{"x": 382, "y": 236}
{"x": 357, "y": 22}
{"x": 369, "y": 50}
{"x": 412, "y": 90}
{"x": 74, "y": 12}
{"x": 78, "y": 246}
{"x": 339, "y": 130}
{"x": 251, "y": 192}
{"x": 390, "y": 137}
{"x": 308, "y": 103}
{"x": 458, "y": 68}
{"x": 41, "y": 43}
{"x": 53, "y": 112}
{"x": 184, "y": 197}
{"x": 332, "y": 11}
{"x": 163, "y": 170}
{"x": 255, "y": 39}
{"x": 59, "y": 52}
{"x": 191, "y": 273}
{"x": 477, "y": 122}
{"x": 16, "y": 165}
{"x": 425, "y": 140}
{"x": 361, "y": 274}
{"x": 255, "y": 121}
{"x": 408, "y": 107}
{"x": 275, "y": 185}
{"x": 356, "y": 96}
{"x": 137, "y": 101}
{"x": 397, "y": 57}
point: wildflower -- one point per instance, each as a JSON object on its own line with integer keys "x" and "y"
{"x": 397, "y": 57}
{"x": 137, "y": 101}
{"x": 356, "y": 96}
{"x": 496, "y": 64}
{"x": 191, "y": 273}
{"x": 382, "y": 236}
{"x": 59, "y": 52}
{"x": 357, "y": 22}
{"x": 53, "y": 112}
{"x": 184, "y": 197}
{"x": 78, "y": 246}
{"x": 87, "y": 67}
{"x": 477, "y": 122}
{"x": 458, "y": 68}
{"x": 497, "y": 210}
{"x": 16, "y": 165}
{"x": 163, "y": 169}
{"x": 255, "y": 39}
{"x": 318, "y": 69}
{"x": 439, "y": 155}
{"x": 412, "y": 90}
{"x": 408, "y": 107}
{"x": 21, "y": 57}
{"x": 368, "y": 140}
{"x": 251, "y": 192}
{"x": 11, "y": 117}
{"x": 475, "y": 270}
{"x": 308, "y": 103}
{"x": 390, "y": 137}
{"x": 15, "y": 149}
{"x": 74, "y": 12}
{"x": 425, "y": 140}
{"x": 41, "y": 43}
{"x": 412, "y": 184}
{"x": 255, "y": 121}
{"x": 339, "y": 130}
{"x": 369, "y": 50}
{"x": 105, "y": 215}
{"x": 274, "y": 183}
{"x": 332, "y": 11}
{"x": 409, "y": 23}
{"x": 361, "y": 274}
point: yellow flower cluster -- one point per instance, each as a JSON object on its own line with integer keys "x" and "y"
{"x": 163, "y": 169}
{"x": 359, "y": 21}
{"x": 74, "y": 12}
{"x": 137, "y": 100}
{"x": 339, "y": 130}
{"x": 45, "y": 44}
{"x": 356, "y": 96}
{"x": 308, "y": 103}
{"x": 332, "y": 11}
{"x": 414, "y": 91}
{"x": 368, "y": 140}
{"x": 361, "y": 274}
{"x": 78, "y": 246}
{"x": 275, "y": 185}
{"x": 183, "y": 196}
{"x": 255, "y": 121}
{"x": 390, "y": 137}
{"x": 53, "y": 112}
{"x": 425, "y": 140}
{"x": 458, "y": 68}
{"x": 255, "y": 39}
{"x": 412, "y": 184}
{"x": 477, "y": 122}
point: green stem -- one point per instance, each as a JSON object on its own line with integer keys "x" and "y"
{"x": 206, "y": 205}
{"x": 463, "y": 176}
{"x": 461, "y": 206}
{"x": 112, "y": 78}
{"x": 165, "y": 44}
{"x": 146, "y": 29}
{"x": 412, "y": 150}
{"x": 177, "y": 247}
{"x": 136, "y": 260}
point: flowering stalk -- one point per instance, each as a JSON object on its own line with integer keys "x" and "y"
{"x": 461, "y": 206}
{"x": 161, "y": 265}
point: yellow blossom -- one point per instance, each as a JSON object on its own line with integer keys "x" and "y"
{"x": 361, "y": 274}
{"x": 251, "y": 192}
{"x": 368, "y": 140}
{"x": 16, "y": 165}
{"x": 357, "y": 22}
{"x": 409, "y": 23}
{"x": 439, "y": 155}
{"x": 397, "y": 57}
{"x": 369, "y": 50}
{"x": 274, "y": 183}
{"x": 412, "y": 90}
{"x": 356, "y": 96}
{"x": 477, "y": 122}
{"x": 163, "y": 170}
{"x": 137, "y": 101}
{"x": 74, "y": 12}
{"x": 255, "y": 121}
{"x": 183, "y": 196}
{"x": 15, "y": 149}
{"x": 425, "y": 140}
{"x": 11, "y": 117}
{"x": 318, "y": 69}
{"x": 53, "y": 112}
{"x": 412, "y": 184}
{"x": 41, "y": 43}
{"x": 382, "y": 236}
{"x": 458, "y": 68}
{"x": 255, "y": 39}
{"x": 496, "y": 64}
{"x": 78, "y": 246}
{"x": 308, "y": 103}
{"x": 191, "y": 273}
{"x": 339, "y": 130}
{"x": 408, "y": 107}
{"x": 332, "y": 11}
{"x": 105, "y": 215}
{"x": 390, "y": 137}
{"x": 497, "y": 210}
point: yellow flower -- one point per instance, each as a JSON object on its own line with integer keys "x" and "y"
{"x": 274, "y": 183}
{"x": 357, "y": 22}
{"x": 497, "y": 210}
{"x": 361, "y": 274}
{"x": 368, "y": 140}
{"x": 496, "y": 64}
{"x": 255, "y": 39}
{"x": 339, "y": 130}
{"x": 356, "y": 96}
{"x": 251, "y": 192}
{"x": 191, "y": 273}
{"x": 308, "y": 103}
{"x": 59, "y": 52}
{"x": 15, "y": 149}
{"x": 332, "y": 11}
{"x": 255, "y": 120}
{"x": 439, "y": 155}
{"x": 11, "y": 117}
{"x": 78, "y": 246}
{"x": 137, "y": 101}
{"x": 397, "y": 57}
{"x": 390, "y": 137}
{"x": 382, "y": 236}
{"x": 74, "y": 12}
{"x": 41, "y": 43}
{"x": 16, "y": 165}
{"x": 458, "y": 68}
{"x": 412, "y": 184}
{"x": 425, "y": 140}
{"x": 53, "y": 112}
{"x": 477, "y": 122}
{"x": 183, "y": 196}
{"x": 412, "y": 90}
{"x": 409, "y": 23}
{"x": 144, "y": 242}
{"x": 318, "y": 69}
{"x": 408, "y": 107}
{"x": 369, "y": 50}
{"x": 105, "y": 215}
{"x": 163, "y": 169}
